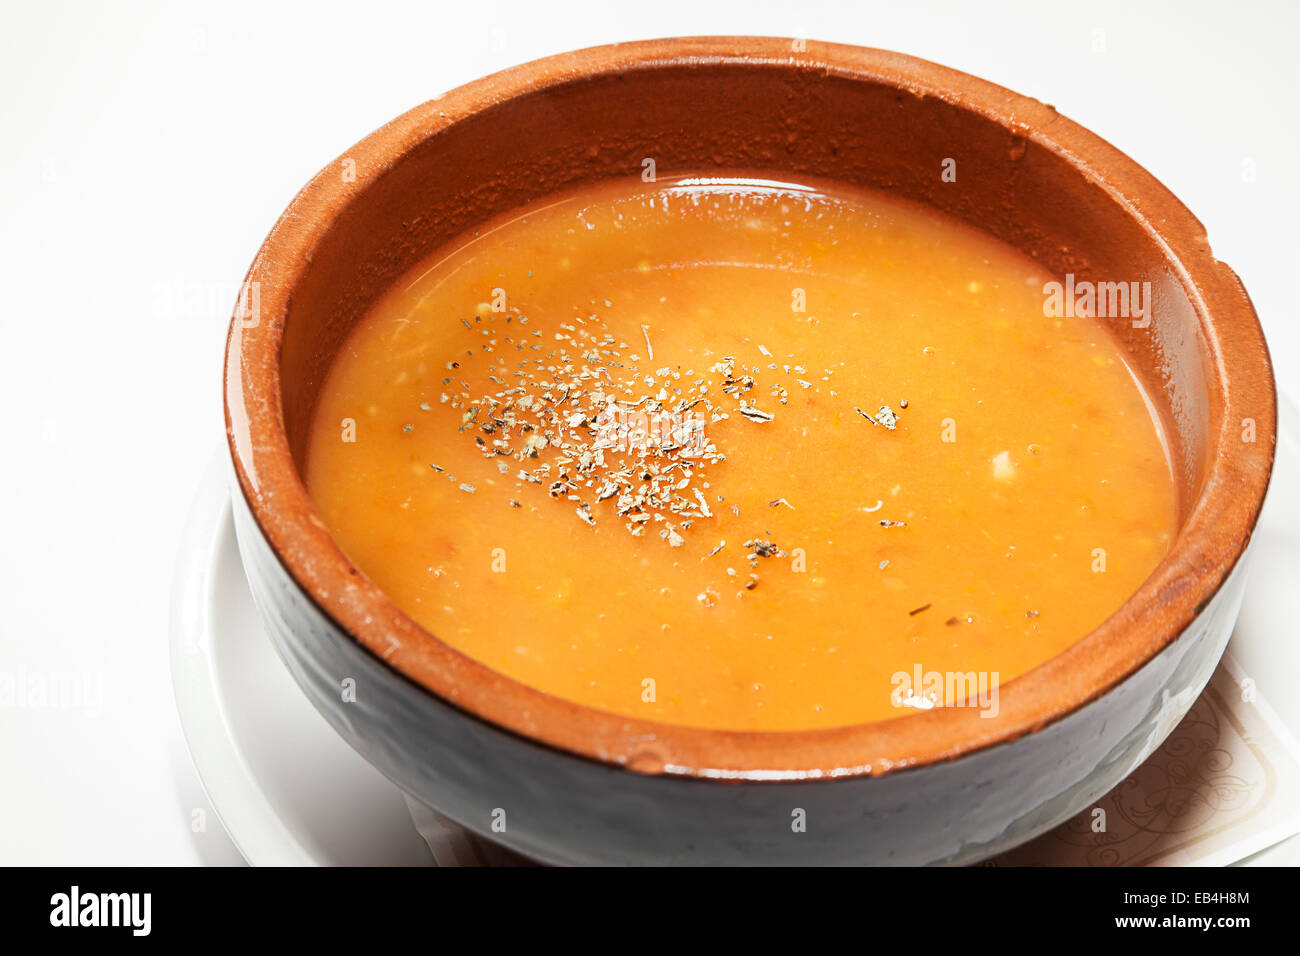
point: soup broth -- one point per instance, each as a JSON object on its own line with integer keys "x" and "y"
{"x": 739, "y": 453}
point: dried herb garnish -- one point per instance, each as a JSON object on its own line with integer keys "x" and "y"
{"x": 763, "y": 549}
{"x": 554, "y": 410}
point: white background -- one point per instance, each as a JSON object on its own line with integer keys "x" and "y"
{"x": 147, "y": 148}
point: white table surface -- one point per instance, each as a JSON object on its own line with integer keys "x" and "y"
{"x": 145, "y": 151}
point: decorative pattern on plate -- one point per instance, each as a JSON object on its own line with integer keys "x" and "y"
{"x": 1223, "y": 785}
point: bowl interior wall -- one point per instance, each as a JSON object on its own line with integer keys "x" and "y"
{"x": 795, "y": 121}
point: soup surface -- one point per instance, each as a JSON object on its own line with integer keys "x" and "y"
{"x": 741, "y": 454}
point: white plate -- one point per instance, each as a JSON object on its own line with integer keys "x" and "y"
{"x": 287, "y": 788}
{"x": 291, "y": 792}
{"x": 1264, "y": 641}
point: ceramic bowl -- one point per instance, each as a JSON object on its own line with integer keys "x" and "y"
{"x": 565, "y": 783}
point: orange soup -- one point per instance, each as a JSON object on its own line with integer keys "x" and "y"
{"x": 738, "y": 453}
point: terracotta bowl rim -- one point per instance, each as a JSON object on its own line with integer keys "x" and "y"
{"x": 1213, "y": 538}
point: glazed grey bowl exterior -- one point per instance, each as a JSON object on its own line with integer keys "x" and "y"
{"x": 559, "y": 808}
{"x": 562, "y": 783}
